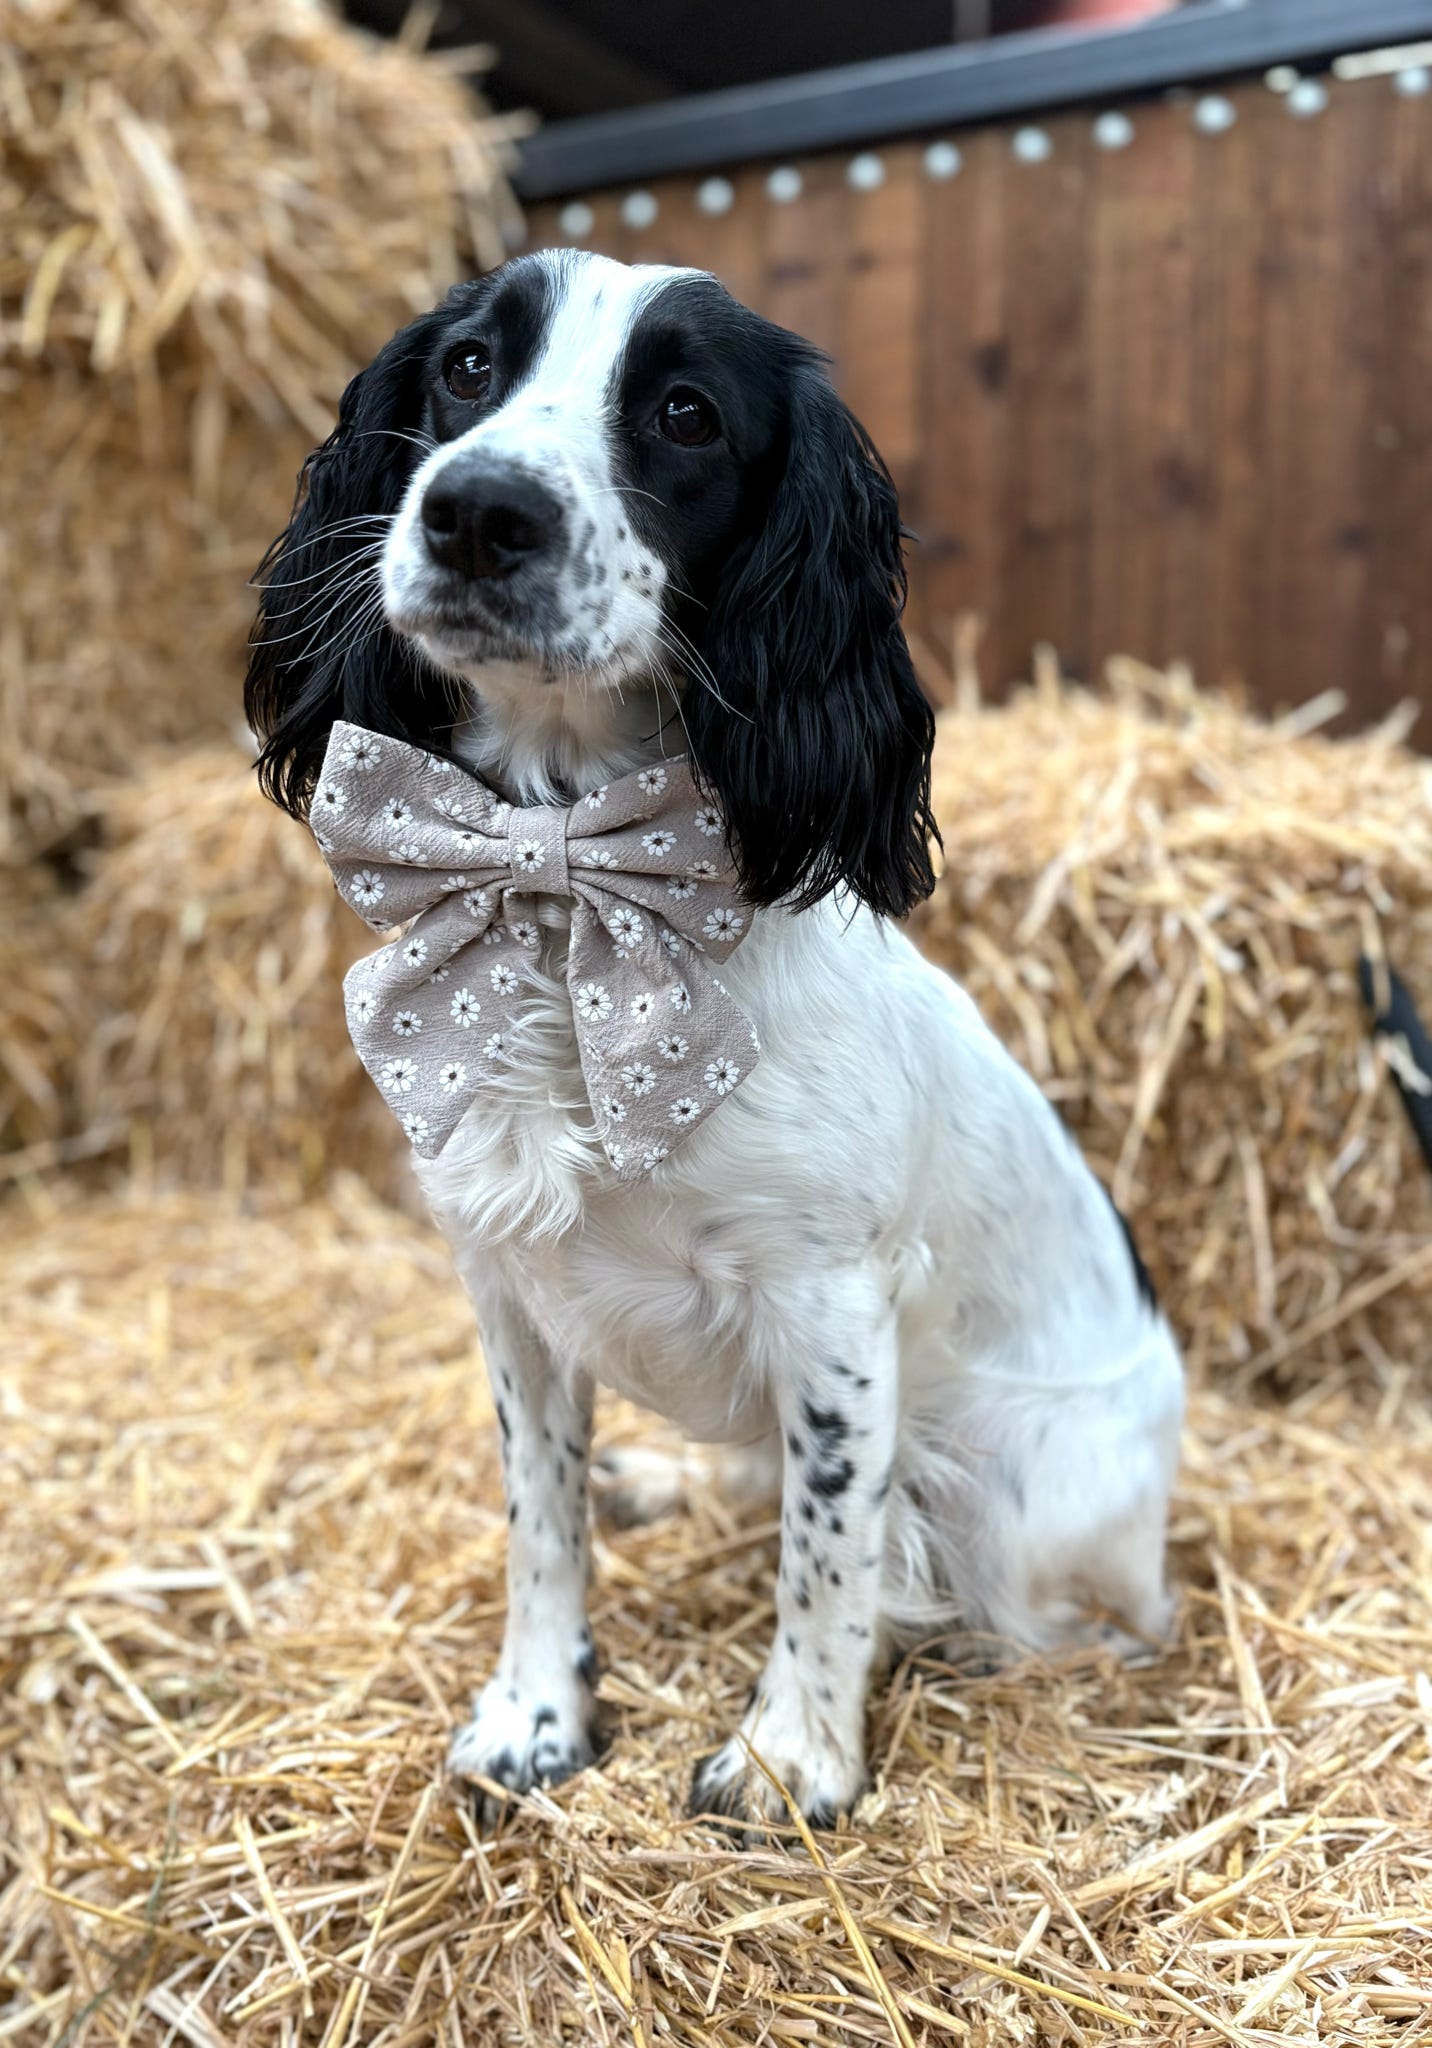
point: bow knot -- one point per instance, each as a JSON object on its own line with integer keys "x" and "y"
{"x": 433, "y": 1015}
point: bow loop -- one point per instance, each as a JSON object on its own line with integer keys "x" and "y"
{"x": 645, "y": 866}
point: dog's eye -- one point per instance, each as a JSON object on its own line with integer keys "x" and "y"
{"x": 467, "y": 373}
{"x": 688, "y": 420}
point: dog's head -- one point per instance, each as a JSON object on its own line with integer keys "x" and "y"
{"x": 572, "y": 469}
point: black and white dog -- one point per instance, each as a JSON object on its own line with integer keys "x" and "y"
{"x": 578, "y": 518}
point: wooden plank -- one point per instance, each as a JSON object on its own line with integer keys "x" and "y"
{"x": 878, "y": 356}
{"x": 1229, "y": 374}
{"x": 1151, "y": 489}
{"x": 958, "y": 507}
{"x": 1046, "y": 574}
{"x": 1396, "y": 219}
{"x": 803, "y": 285}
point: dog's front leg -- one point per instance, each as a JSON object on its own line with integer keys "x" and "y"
{"x": 535, "y": 1721}
{"x": 837, "y": 1397}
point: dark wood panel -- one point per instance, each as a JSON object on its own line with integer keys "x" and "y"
{"x": 1174, "y": 399}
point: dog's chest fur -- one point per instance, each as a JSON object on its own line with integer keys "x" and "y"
{"x": 678, "y": 1292}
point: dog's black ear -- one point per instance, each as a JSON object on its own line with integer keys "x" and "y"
{"x": 320, "y": 648}
{"x": 818, "y": 745}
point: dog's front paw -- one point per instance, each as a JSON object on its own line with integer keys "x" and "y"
{"x": 517, "y": 1738}
{"x": 793, "y": 1742}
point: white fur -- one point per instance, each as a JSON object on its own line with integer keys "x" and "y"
{"x": 885, "y": 1250}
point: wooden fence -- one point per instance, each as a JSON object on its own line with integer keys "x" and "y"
{"x": 1172, "y": 398}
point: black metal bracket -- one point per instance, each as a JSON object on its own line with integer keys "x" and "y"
{"x": 955, "y": 86}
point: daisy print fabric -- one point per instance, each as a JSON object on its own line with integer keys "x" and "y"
{"x": 414, "y": 842}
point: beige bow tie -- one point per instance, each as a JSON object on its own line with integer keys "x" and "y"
{"x": 645, "y": 865}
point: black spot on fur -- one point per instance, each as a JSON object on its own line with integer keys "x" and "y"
{"x": 1142, "y": 1278}
{"x": 829, "y": 1481}
{"x": 828, "y": 1424}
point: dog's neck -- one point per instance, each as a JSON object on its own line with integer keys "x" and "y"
{"x": 539, "y": 740}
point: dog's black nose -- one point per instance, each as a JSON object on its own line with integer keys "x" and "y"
{"x": 488, "y": 522}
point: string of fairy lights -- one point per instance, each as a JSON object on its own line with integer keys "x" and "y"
{"x": 1212, "y": 114}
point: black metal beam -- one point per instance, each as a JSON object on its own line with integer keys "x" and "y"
{"x": 955, "y": 86}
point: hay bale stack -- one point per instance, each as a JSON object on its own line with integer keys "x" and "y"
{"x": 1159, "y": 901}
{"x": 207, "y": 953}
{"x": 212, "y": 215}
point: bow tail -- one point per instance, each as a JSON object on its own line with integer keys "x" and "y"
{"x": 661, "y": 1043}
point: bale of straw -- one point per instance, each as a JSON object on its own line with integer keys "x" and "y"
{"x": 251, "y": 1533}
{"x": 212, "y": 215}
{"x": 1159, "y": 901}
{"x": 208, "y": 949}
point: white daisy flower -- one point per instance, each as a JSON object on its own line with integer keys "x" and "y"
{"x": 617, "y": 1155}
{"x": 674, "y": 944}
{"x": 524, "y": 932}
{"x": 454, "y": 881}
{"x": 364, "y": 1007}
{"x": 679, "y": 997}
{"x": 658, "y": 843}
{"x": 684, "y": 1110}
{"x": 361, "y": 750}
{"x": 652, "y": 781}
{"x": 466, "y": 837}
{"x": 367, "y": 888}
{"x": 465, "y": 1009}
{"x": 722, "y": 1075}
{"x": 708, "y": 820}
{"x": 398, "y": 1076}
{"x": 407, "y": 1023}
{"x": 330, "y": 800}
{"x": 494, "y": 935}
{"x": 498, "y": 816}
{"x": 416, "y": 1127}
{"x": 673, "y": 1047}
{"x": 704, "y": 870}
{"x": 496, "y": 1047}
{"x": 396, "y": 813}
{"x": 592, "y": 1003}
{"x": 503, "y": 980}
{"x": 724, "y": 924}
{"x": 450, "y": 804}
{"x": 528, "y": 855}
{"x": 439, "y": 974}
{"x": 598, "y": 857}
{"x": 638, "y": 1078}
{"x": 643, "y": 1005}
{"x": 653, "y": 1156}
{"x": 681, "y": 887}
{"x": 615, "y": 1109}
{"x": 406, "y": 850}
{"x": 596, "y": 798}
{"x": 452, "y": 1076}
{"x": 415, "y": 951}
{"x": 626, "y": 927}
{"x": 477, "y": 902}
{"x": 437, "y": 766}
